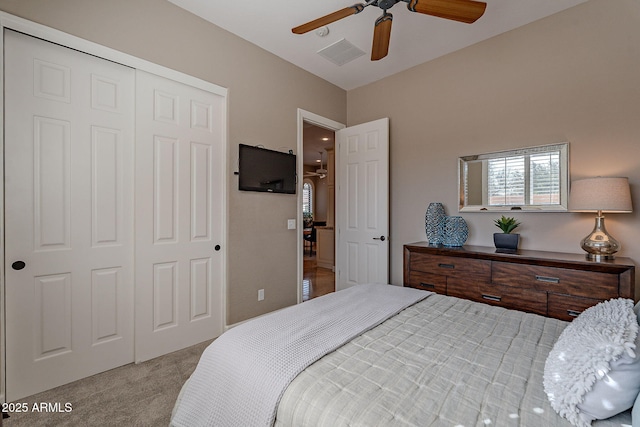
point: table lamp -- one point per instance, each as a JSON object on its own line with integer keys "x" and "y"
{"x": 600, "y": 194}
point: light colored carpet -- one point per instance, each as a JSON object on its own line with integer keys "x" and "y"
{"x": 132, "y": 395}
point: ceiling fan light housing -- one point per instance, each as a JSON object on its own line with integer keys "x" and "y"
{"x": 386, "y": 4}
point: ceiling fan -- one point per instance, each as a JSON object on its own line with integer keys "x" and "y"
{"x": 321, "y": 172}
{"x": 467, "y": 11}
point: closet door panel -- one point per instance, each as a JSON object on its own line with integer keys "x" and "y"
{"x": 69, "y": 127}
{"x": 179, "y": 214}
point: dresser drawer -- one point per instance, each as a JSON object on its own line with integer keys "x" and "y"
{"x": 567, "y": 307}
{"x": 428, "y": 282}
{"x": 529, "y": 300}
{"x": 451, "y": 266}
{"x": 559, "y": 280}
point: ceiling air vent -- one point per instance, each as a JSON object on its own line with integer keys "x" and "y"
{"x": 341, "y": 52}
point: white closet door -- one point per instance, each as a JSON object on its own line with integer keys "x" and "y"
{"x": 179, "y": 215}
{"x": 69, "y": 214}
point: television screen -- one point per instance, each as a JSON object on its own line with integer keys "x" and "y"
{"x": 266, "y": 170}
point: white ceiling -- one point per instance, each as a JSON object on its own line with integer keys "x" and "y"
{"x": 415, "y": 37}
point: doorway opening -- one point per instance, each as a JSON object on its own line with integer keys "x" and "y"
{"x": 316, "y": 202}
{"x": 318, "y": 196}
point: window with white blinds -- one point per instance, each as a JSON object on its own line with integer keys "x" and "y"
{"x": 532, "y": 179}
{"x": 307, "y": 197}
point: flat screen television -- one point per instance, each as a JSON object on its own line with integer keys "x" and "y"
{"x": 266, "y": 170}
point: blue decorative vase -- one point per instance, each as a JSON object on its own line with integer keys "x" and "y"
{"x": 434, "y": 223}
{"x": 456, "y": 231}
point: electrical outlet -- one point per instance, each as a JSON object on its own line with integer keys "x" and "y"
{"x": 291, "y": 224}
{"x": 260, "y": 294}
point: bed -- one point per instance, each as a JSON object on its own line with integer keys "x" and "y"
{"x": 380, "y": 355}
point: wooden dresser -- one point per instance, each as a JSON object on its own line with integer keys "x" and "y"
{"x": 553, "y": 284}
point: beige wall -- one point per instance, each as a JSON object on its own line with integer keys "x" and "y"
{"x": 264, "y": 94}
{"x": 574, "y": 76}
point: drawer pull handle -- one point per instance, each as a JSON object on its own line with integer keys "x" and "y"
{"x": 573, "y": 313}
{"x": 427, "y": 285}
{"x": 446, "y": 266}
{"x": 547, "y": 279}
{"x": 492, "y": 297}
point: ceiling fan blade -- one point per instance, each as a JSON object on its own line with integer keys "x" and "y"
{"x": 328, "y": 19}
{"x": 381, "y": 37}
{"x": 467, "y": 11}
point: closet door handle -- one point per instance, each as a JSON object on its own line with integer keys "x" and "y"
{"x": 18, "y": 265}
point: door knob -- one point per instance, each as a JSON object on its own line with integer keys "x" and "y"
{"x": 217, "y": 247}
{"x": 18, "y": 265}
{"x": 380, "y": 238}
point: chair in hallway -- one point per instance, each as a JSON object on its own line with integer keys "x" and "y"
{"x": 311, "y": 238}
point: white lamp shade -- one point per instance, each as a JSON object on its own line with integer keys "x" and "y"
{"x": 600, "y": 194}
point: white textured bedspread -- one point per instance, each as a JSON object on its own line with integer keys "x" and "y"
{"x": 242, "y": 374}
{"x": 441, "y": 362}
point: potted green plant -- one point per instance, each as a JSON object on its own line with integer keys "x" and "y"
{"x": 506, "y": 240}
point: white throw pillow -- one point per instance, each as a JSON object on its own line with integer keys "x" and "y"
{"x": 592, "y": 372}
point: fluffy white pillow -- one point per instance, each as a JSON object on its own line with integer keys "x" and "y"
{"x": 592, "y": 372}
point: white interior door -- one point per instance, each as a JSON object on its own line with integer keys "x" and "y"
{"x": 362, "y": 206}
{"x": 179, "y": 215}
{"x": 69, "y": 214}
